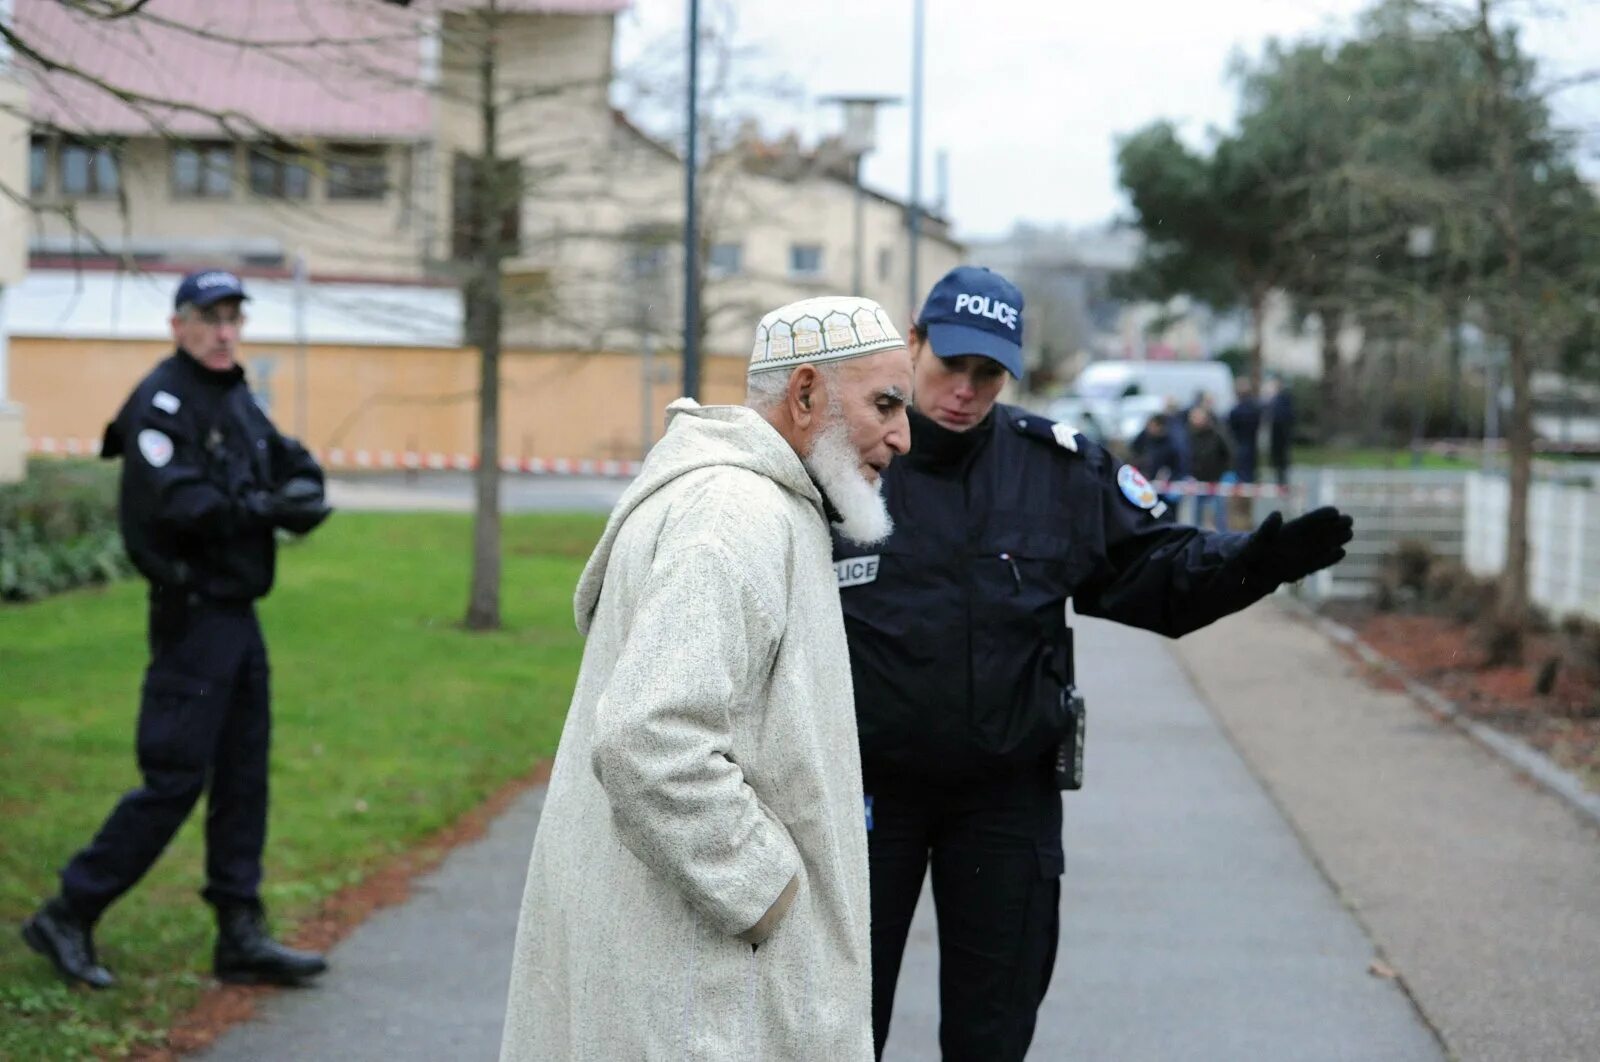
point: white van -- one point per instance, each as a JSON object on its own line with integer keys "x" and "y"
{"x": 1120, "y": 396}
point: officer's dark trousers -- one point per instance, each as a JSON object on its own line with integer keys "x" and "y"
{"x": 995, "y": 849}
{"x": 203, "y": 721}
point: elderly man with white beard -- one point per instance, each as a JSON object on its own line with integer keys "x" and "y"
{"x": 698, "y": 884}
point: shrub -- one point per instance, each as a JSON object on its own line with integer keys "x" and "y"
{"x": 1580, "y": 644}
{"x": 58, "y": 530}
{"x": 1402, "y": 581}
{"x": 1502, "y": 638}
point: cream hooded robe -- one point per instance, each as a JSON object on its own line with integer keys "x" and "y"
{"x": 709, "y": 756}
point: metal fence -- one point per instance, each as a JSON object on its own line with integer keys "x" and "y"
{"x": 1389, "y": 507}
{"x": 1563, "y": 540}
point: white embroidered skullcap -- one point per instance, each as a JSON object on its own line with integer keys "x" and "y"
{"x": 827, "y": 328}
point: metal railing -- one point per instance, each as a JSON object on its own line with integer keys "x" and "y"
{"x": 1563, "y": 546}
{"x": 1389, "y": 507}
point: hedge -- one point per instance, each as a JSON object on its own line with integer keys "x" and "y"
{"x": 58, "y": 529}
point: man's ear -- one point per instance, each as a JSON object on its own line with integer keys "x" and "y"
{"x": 805, "y": 398}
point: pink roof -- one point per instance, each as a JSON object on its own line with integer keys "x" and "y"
{"x": 324, "y": 68}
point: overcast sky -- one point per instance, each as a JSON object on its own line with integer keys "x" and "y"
{"x": 1027, "y": 96}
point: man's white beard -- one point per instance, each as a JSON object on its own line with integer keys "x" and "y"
{"x": 833, "y": 460}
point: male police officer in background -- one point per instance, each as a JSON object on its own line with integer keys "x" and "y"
{"x": 206, "y": 481}
{"x": 962, "y": 658}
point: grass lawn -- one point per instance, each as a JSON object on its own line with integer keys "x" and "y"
{"x": 389, "y": 723}
{"x": 1376, "y": 457}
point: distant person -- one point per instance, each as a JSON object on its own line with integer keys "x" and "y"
{"x": 1244, "y": 425}
{"x": 1178, "y": 431}
{"x": 206, "y": 482}
{"x": 1280, "y": 430}
{"x": 1153, "y": 452}
{"x": 1213, "y": 458}
{"x": 698, "y": 887}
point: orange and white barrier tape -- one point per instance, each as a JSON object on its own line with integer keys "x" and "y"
{"x": 338, "y": 459}
{"x": 1225, "y": 490}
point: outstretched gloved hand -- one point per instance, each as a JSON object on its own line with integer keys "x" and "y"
{"x": 1282, "y": 552}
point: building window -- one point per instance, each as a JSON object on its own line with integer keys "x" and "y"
{"x": 725, "y": 260}
{"x": 89, "y": 170}
{"x": 885, "y": 263}
{"x": 38, "y": 166}
{"x": 202, "y": 171}
{"x": 358, "y": 171}
{"x": 277, "y": 176}
{"x": 805, "y": 259}
{"x": 647, "y": 260}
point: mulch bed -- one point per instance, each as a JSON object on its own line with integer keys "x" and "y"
{"x": 223, "y": 1006}
{"x": 1564, "y": 723}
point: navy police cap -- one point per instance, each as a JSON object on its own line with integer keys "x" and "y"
{"x": 973, "y": 310}
{"x": 207, "y": 288}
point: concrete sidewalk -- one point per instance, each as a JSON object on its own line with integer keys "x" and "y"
{"x": 1483, "y": 890}
{"x": 1195, "y": 925}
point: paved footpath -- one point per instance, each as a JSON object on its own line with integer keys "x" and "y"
{"x": 1483, "y": 889}
{"x": 1197, "y": 924}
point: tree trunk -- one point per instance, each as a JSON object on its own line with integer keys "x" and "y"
{"x": 483, "y": 605}
{"x": 1457, "y": 427}
{"x": 1519, "y": 437}
{"x": 1258, "y": 325}
{"x": 1331, "y": 388}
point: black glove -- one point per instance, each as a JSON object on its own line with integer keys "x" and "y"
{"x": 1281, "y": 552}
{"x": 299, "y": 505}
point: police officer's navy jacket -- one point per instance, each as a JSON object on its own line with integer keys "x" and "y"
{"x": 957, "y": 624}
{"x": 198, "y": 456}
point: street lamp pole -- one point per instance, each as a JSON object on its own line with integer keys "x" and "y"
{"x": 914, "y": 213}
{"x": 1419, "y": 245}
{"x": 691, "y": 224}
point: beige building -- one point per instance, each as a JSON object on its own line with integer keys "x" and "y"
{"x": 778, "y": 225}
{"x": 362, "y": 161}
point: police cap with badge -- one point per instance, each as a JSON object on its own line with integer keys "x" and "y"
{"x": 973, "y": 310}
{"x": 207, "y": 288}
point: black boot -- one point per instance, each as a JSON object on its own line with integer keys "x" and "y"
{"x": 247, "y": 955}
{"x": 67, "y": 941}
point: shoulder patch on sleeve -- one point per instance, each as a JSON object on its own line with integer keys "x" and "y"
{"x": 1136, "y": 488}
{"x": 1047, "y": 430}
{"x": 166, "y": 401}
{"x": 156, "y": 447}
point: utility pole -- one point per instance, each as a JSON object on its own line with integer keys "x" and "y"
{"x": 302, "y": 386}
{"x": 691, "y": 224}
{"x": 914, "y": 211}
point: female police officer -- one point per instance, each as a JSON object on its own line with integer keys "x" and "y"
{"x": 962, "y": 658}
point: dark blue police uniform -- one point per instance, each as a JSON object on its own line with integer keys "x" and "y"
{"x": 961, "y": 659}
{"x": 200, "y": 462}
{"x": 206, "y": 481}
